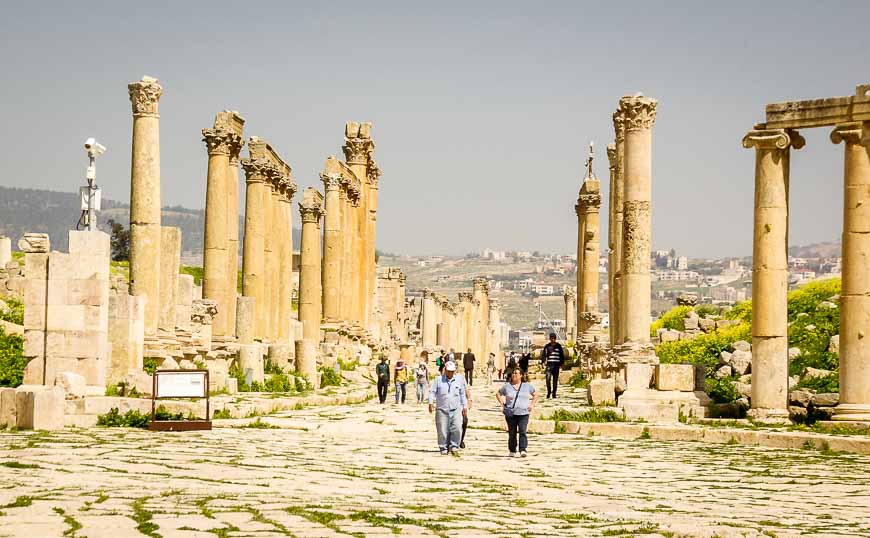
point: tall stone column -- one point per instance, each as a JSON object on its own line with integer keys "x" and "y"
{"x": 257, "y": 172}
{"x": 215, "y": 249}
{"x": 352, "y": 255}
{"x": 618, "y": 218}
{"x": 495, "y": 333}
{"x": 465, "y": 317}
{"x": 639, "y": 115}
{"x": 232, "y": 273}
{"x": 611, "y": 246}
{"x": 429, "y": 328}
{"x": 373, "y": 174}
{"x": 332, "y": 243}
{"x": 268, "y": 258}
{"x": 311, "y": 210}
{"x": 480, "y": 296}
{"x": 589, "y": 318}
{"x": 170, "y": 259}
{"x": 145, "y": 197}
{"x": 770, "y": 271}
{"x": 285, "y": 244}
{"x": 855, "y": 296}
{"x": 345, "y": 301}
{"x": 357, "y": 150}
{"x": 279, "y": 233}
{"x": 570, "y": 297}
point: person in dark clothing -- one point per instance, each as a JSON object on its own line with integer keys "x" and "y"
{"x": 511, "y": 366}
{"x": 553, "y": 356}
{"x": 383, "y": 372}
{"x": 524, "y": 363}
{"x": 468, "y": 365}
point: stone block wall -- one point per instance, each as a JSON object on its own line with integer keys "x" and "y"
{"x": 126, "y": 334}
{"x": 66, "y": 308}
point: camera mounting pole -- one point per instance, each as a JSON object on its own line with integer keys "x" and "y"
{"x": 90, "y": 195}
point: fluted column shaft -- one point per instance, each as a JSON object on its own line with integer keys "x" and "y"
{"x": 770, "y": 271}
{"x": 145, "y": 197}
{"x": 855, "y": 297}
{"x": 640, "y": 114}
{"x": 570, "y": 315}
{"x": 268, "y": 259}
{"x": 345, "y": 300}
{"x": 495, "y": 334}
{"x": 215, "y": 250}
{"x": 332, "y": 246}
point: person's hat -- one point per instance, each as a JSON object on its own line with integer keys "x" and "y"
{"x": 450, "y": 366}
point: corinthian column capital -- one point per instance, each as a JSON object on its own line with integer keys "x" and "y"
{"x": 611, "y": 156}
{"x": 773, "y": 139}
{"x": 311, "y": 211}
{"x": 639, "y": 112}
{"x": 619, "y": 125}
{"x": 331, "y": 181}
{"x": 258, "y": 170}
{"x": 217, "y": 141}
{"x": 589, "y": 201}
{"x": 357, "y": 150}
{"x": 144, "y": 95}
{"x": 374, "y": 173}
{"x": 428, "y": 294}
{"x": 850, "y": 133}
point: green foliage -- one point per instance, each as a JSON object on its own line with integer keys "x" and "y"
{"x": 578, "y": 381}
{"x": 134, "y": 419}
{"x": 721, "y": 390}
{"x": 704, "y": 350}
{"x": 259, "y": 424}
{"x": 302, "y": 384}
{"x": 591, "y": 415}
{"x": 672, "y": 319}
{"x": 807, "y": 297}
{"x": 122, "y": 389}
{"x": 120, "y": 241}
{"x": 828, "y": 383}
{"x": 270, "y": 367}
{"x": 15, "y": 312}
{"x": 149, "y": 364}
{"x": 328, "y": 377}
{"x": 220, "y": 414}
{"x": 704, "y": 310}
{"x": 12, "y": 361}
{"x": 741, "y": 311}
{"x": 195, "y": 272}
{"x": 278, "y": 382}
{"x": 348, "y": 365}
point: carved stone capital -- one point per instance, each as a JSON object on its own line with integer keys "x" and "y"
{"x": 311, "y": 211}
{"x": 357, "y": 150}
{"x": 373, "y": 173}
{"x": 428, "y": 294}
{"x": 258, "y": 170}
{"x": 144, "y": 96}
{"x": 611, "y": 156}
{"x": 570, "y": 295}
{"x": 235, "y": 144}
{"x": 217, "y": 141}
{"x": 331, "y": 181}
{"x": 639, "y": 112}
{"x": 593, "y": 318}
{"x": 480, "y": 284}
{"x": 286, "y": 187}
{"x": 850, "y": 133}
{"x": 203, "y": 311}
{"x": 588, "y": 201}
{"x": 465, "y": 297}
{"x": 773, "y": 139}
{"x": 619, "y": 125}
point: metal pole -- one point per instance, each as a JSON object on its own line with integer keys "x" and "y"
{"x": 92, "y": 179}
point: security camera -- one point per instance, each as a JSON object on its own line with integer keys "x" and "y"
{"x": 93, "y": 147}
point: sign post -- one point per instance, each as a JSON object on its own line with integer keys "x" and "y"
{"x": 186, "y": 384}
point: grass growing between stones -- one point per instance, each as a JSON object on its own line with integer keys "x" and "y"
{"x": 591, "y": 415}
{"x": 18, "y": 465}
{"x": 142, "y": 517}
{"x": 259, "y": 424}
{"x": 73, "y": 526}
{"x": 375, "y": 518}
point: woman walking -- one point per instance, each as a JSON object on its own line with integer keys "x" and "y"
{"x": 422, "y": 375}
{"x": 517, "y": 399}
{"x": 401, "y": 377}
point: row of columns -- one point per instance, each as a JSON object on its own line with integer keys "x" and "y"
{"x": 472, "y": 323}
{"x": 770, "y": 272}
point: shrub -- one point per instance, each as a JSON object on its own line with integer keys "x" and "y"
{"x": 672, "y": 319}
{"x": 130, "y": 419}
{"x": 828, "y": 383}
{"x": 195, "y": 272}
{"x": 579, "y": 381}
{"x": 15, "y": 312}
{"x": 348, "y": 365}
{"x": 278, "y": 382}
{"x": 807, "y": 297}
{"x": 704, "y": 310}
{"x": 270, "y": 367}
{"x": 704, "y": 350}
{"x": 149, "y": 364}
{"x": 741, "y": 311}
{"x": 12, "y": 361}
{"x": 328, "y": 377}
{"x": 721, "y": 390}
{"x": 302, "y": 384}
{"x": 591, "y": 415}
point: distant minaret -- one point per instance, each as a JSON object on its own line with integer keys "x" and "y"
{"x": 589, "y": 173}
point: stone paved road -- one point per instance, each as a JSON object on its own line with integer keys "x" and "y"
{"x": 371, "y": 470}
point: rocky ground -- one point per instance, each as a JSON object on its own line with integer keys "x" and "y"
{"x": 372, "y": 470}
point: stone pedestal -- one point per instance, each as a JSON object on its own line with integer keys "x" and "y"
{"x": 855, "y": 297}
{"x": 246, "y": 319}
{"x": 145, "y": 197}
{"x": 770, "y": 272}
{"x": 251, "y": 358}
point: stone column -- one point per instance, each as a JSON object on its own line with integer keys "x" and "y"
{"x": 257, "y": 172}
{"x": 145, "y": 197}
{"x": 373, "y": 175}
{"x": 570, "y": 297}
{"x": 268, "y": 258}
{"x": 618, "y": 217}
{"x": 770, "y": 271}
{"x": 467, "y": 316}
{"x": 170, "y": 258}
{"x": 357, "y": 150}
{"x": 278, "y": 235}
{"x": 481, "y": 317}
{"x": 639, "y": 115}
{"x": 495, "y": 334}
{"x": 232, "y": 273}
{"x": 351, "y": 238}
{"x": 855, "y": 296}
{"x": 332, "y": 243}
{"x": 611, "y": 246}
{"x": 288, "y": 190}
{"x": 215, "y": 260}
{"x": 589, "y": 317}
{"x": 311, "y": 210}
{"x": 429, "y": 328}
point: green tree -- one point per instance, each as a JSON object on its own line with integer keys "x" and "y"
{"x": 120, "y": 241}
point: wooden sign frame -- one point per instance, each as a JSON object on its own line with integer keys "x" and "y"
{"x": 179, "y": 425}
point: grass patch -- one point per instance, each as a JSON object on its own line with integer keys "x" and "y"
{"x": 142, "y": 517}
{"x": 377, "y": 519}
{"x": 20, "y": 502}
{"x": 316, "y": 515}
{"x": 222, "y": 414}
{"x": 73, "y": 526}
{"x": 259, "y": 424}
{"x": 591, "y": 415}
{"x": 18, "y": 465}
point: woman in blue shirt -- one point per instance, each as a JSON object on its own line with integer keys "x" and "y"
{"x": 517, "y": 399}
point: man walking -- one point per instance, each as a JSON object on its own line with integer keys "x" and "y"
{"x": 448, "y": 401}
{"x": 468, "y": 366}
{"x": 383, "y": 372}
{"x": 553, "y": 357}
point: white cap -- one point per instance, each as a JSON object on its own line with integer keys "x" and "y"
{"x": 450, "y": 366}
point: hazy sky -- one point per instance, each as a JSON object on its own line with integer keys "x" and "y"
{"x": 481, "y": 111}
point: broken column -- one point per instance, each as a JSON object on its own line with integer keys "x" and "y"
{"x": 570, "y": 297}
{"x": 170, "y": 260}
{"x": 145, "y": 197}
{"x": 311, "y": 209}
{"x": 430, "y": 326}
{"x": 855, "y": 296}
{"x": 770, "y": 271}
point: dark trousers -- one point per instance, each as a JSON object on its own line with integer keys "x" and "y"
{"x": 469, "y": 376}
{"x": 517, "y": 424}
{"x": 552, "y": 381}
{"x": 382, "y": 389}
{"x": 464, "y": 427}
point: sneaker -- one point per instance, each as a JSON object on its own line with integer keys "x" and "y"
{"x": 462, "y": 444}
{"x": 443, "y": 452}
{"x": 515, "y": 454}
{"x": 523, "y": 453}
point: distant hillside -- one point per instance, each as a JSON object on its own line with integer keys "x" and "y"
{"x": 54, "y": 213}
{"x": 816, "y": 250}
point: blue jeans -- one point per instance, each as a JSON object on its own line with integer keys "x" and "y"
{"x": 449, "y": 426}
{"x": 400, "y": 390}
{"x": 517, "y": 424}
{"x": 422, "y": 391}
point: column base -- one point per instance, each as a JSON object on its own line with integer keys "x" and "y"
{"x": 769, "y": 416}
{"x": 852, "y": 412}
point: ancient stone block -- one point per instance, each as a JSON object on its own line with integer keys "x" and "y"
{"x": 74, "y": 385}
{"x": 679, "y": 377}
{"x": 638, "y": 376}
{"x": 826, "y": 399}
{"x": 800, "y": 398}
{"x": 34, "y": 242}
{"x": 251, "y": 358}
{"x": 741, "y": 345}
{"x": 601, "y": 392}
{"x": 39, "y": 407}
{"x": 5, "y": 251}
{"x": 8, "y": 413}
{"x": 741, "y": 362}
